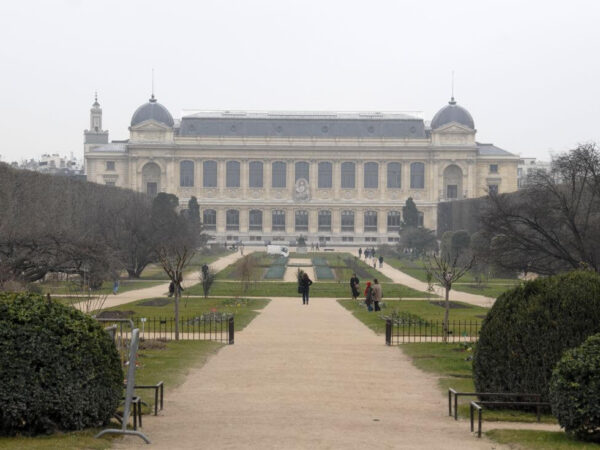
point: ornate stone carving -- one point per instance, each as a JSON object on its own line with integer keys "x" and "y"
{"x": 302, "y": 190}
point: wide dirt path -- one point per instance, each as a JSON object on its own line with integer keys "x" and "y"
{"x": 307, "y": 377}
{"x": 162, "y": 289}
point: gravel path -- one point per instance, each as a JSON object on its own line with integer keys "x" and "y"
{"x": 308, "y": 377}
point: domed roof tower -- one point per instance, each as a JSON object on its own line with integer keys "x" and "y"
{"x": 152, "y": 111}
{"x": 452, "y": 113}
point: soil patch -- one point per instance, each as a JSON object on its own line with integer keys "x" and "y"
{"x": 152, "y": 344}
{"x": 155, "y": 302}
{"x": 453, "y": 305}
{"x": 115, "y": 314}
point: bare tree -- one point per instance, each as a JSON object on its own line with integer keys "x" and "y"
{"x": 447, "y": 270}
{"x": 554, "y": 224}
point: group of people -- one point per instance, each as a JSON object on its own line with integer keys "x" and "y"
{"x": 370, "y": 253}
{"x": 373, "y": 292}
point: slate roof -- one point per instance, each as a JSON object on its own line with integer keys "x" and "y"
{"x": 452, "y": 113}
{"x": 152, "y": 111}
{"x": 303, "y": 125}
{"x": 491, "y": 150}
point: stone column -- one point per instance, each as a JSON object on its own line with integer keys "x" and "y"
{"x": 360, "y": 179}
{"x": 267, "y": 178}
{"x": 244, "y": 177}
{"x": 244, "y": 222}
{"x": 313, "y": 171}
{"x": 221, "y": 176}
{"x": 336, "y": 178}
{"x": 221, "y": 220}
{"x": 382, "y": 180}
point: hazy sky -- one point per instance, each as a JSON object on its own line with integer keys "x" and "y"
{"x": 528, "y": 71}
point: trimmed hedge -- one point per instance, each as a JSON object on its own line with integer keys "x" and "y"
{"x": 575, "y": 390}
{"x": 528, "y": 329}
{"x": 59, "y": 370}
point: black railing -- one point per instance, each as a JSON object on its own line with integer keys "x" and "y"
{"x": 212, "y": 326}
{"x": 399, "y": 330}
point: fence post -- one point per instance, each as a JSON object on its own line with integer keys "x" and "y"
{"x": 231, "y": 331}
{"x": 388, "y": 331}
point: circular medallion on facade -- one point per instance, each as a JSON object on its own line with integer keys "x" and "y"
{"x": 256, "y": 193}
{"x": 323, "y": 194}
{"x": 347, "y": 194}
{"x": 370, "y": 194}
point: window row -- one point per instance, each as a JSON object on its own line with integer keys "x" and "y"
{"x": 300, "y": 217}
{"x": 302, "y": 170}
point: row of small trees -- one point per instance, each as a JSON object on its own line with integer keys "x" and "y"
{"x": 52, "y": 224}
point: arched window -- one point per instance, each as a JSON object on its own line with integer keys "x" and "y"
{"x": 325, "y": 220}
{"x": 151, "y": 178}
{"x": 232, "y": 174}
{"x": 325, "y": 175}
{"x": 278, "y": 220}
{"x": 348, "y": 175}
{"x": 301, "y": 222}
{"x": 370, "y": 221}
{"x": 255, "y": 220}
{"x": 394, "y": 175}
{"x": 453, "y": 182}
{"x": 209, "y": 174}
{"x": 186, "y": 173}
{"x": 232, "y": 218}
{"x": 417, "y": 175}
{"x": 255, "y": 174}
{"x": 347, "y": 220}
{"x": 209, "y": 219}
{"x": 393, "y": 221}
{"x": 371, "y": 171}
{"x": 278, "y": 175}
{"x": 302, "y": 170}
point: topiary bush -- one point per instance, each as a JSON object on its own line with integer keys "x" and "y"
{"x": 575, "y": 390}
{"x": 528, "y": 329}
{"x": 59, "y": 370}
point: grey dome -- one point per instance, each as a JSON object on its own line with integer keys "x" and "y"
{"x": 452, "y": 113}
{"x": 152, "y": 111}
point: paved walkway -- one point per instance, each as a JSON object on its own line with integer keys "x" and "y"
{"x": 162, "y": 289}
{"x": 308, "y": 377}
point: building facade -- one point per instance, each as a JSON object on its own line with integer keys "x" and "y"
{"x": 339, "y": 178}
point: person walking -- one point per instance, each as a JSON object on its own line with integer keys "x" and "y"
{"x": 359, "y": 252}
{"x": 369, "y": 296}
{"x": 354, "y": 285}
{"x": 380, "y": 261}
{"x": 377, "y": 294}
{"x": 116, "y": 287}
{"x": 305, "y": 283}
{"x": 374, "y": 263}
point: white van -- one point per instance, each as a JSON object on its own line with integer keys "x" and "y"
{"x": 278, "y": 250}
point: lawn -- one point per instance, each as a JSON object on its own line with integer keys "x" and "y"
{"x": 204, "y": 256}
{"x": 344, "y": 265}
{"x": 244, "y": 309}
{"x": 493, "y": 287}
{"x": 452, "y": 363}
{"x": 290, "y": 289}
{"x": 415, "y": 309}
{"x": 71, "y": 288}
{"x": 556, "y": 440}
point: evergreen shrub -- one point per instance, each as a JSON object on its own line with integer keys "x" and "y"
{"x": 528, "y": 329}
{"x": 59, "y": 370}
{"x": 575, "y": 390}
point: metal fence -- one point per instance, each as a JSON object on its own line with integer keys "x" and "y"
{"x": 400, "y": 330}
{"x": 217, "y": 327}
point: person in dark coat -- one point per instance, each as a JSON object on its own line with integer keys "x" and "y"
{"x": 380, "y": 262}
{"x": 359, "y": 252}
{"x": 305, "y": 283}
{"x": 369, "y": 296}
{"x": 354, "y": 282}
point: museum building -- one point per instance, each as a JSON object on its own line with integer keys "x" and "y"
{"x": 333, "y": 177}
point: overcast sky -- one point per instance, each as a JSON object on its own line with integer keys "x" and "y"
{"x": 528, "y": 71}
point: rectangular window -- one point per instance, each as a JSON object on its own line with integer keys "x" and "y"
{"x": 325, "y": 175}
{"x": 348, "y": 175}
{"x": 493, "y": 168}
{"x": 110, "y": 183}
{"x": 347, "y": 239}
{"x": 278, "y": 174}
{"x": 452, "y": 191}
{"x": 151, "y": 189}
{"x": 347, "y": 221}
{"x": 256, "y": 174}
{"x": 370, "y": 221}
{"x": 255, "y": 220}
{"x": 110, "y": 165}
{"x": 324, "y": 220}
{"x": 371, "y": 173}
{"x": 278, "y": 220}
{"x": 232, "y": 175}
{"x": 394, "y": 176}
{"x": 301, "y": 221}
{"x": 209, "y": 174}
